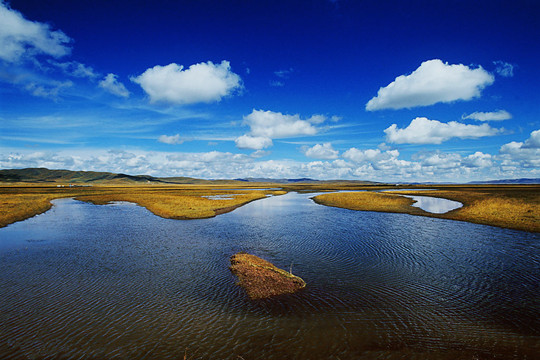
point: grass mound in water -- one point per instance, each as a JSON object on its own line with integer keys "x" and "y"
{"x": 261, "y": 279}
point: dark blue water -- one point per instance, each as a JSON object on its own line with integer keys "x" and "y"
{"x": 99, "y": 282}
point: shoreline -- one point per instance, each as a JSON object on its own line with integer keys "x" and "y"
{"x": 180, "y": 203}
{"x": 511, "y": 206}
{"x": 480, "y": 206}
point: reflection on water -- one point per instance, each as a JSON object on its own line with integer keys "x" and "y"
{"x": 115, "y": 281}
{"x": 434, "y": 205}
{"x": 220, "y": 197}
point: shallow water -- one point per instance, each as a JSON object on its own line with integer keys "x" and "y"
{"x": 115, "y": 281}
{"x": 433, "y": 204}
{"x": 220, "y": 197}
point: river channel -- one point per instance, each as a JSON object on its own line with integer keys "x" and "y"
{"x": 83, "y": 281}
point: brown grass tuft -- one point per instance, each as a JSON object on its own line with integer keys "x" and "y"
{"x": 261, "y": 279}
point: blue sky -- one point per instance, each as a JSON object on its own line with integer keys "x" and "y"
{"x": 365, "y": 90}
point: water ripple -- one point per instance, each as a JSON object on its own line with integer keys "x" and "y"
{"x": 118, "y": 282}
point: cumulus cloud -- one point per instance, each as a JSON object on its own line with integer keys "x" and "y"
{"x": 424, "y": 131}
{"x": 533, "y": 142}
{"x": 112, "y": 85}
{"x": 369, "y": 155}
{"x": 477, "y": 160}
{"x": 277, "y": 125}
{"x": 517, "y": 155}
{"x": 365, "y": 164}
{"x": 321, "y": 151}
{"x": 504, "y": 69}
{"x": 433, "y": 82}
{"x": 170, "y": 139}
{"x": 432, "y": 160}
{"x": 268, "y": 125}
{"x": 499, "y": 115}
{"x": 20, "y": 38}
{"x": 253, "y": 142}
{"x": 200, "y": 83}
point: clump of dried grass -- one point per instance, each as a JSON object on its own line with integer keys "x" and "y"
{"x": 261, "y": 279}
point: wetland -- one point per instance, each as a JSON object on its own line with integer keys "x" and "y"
{"x": 117, "y": 281}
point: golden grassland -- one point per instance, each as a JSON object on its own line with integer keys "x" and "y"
{"x": 175, "y": 202}
{"x": 262, "y": 279}
{"x": 507, "y": 206}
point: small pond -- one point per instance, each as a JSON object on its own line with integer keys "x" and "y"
{"x": 434, "y": 205}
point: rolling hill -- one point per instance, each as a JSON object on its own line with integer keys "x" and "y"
{"x": 46, "y": 176}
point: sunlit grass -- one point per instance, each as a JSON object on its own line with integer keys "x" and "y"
{"x": 180, "y": 204}
{"x": 367, "y": 201}
{"x": 176, "y": 202}
{"x": 515, "y": 207}
{"x": 19, "y": 207}
{"x": 510, "y": 207}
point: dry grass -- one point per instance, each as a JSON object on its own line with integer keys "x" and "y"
{"x": 366, "y": 201}
{"x": 261, "y": 279}
{"x": 509, "y": 206}
{"x": 176, "y": 202}
{"x": 19, "y": 207}
{"x": 180, "y": 204}
{"x": 514, "y": 207}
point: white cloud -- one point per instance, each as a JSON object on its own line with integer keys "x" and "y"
{"x": 375, "y": 165}
{"x": 268, "y": 125}
{"x": 319, "y": 119}
{"x": 277, "y": 125}
{"x": 517, "y": 155}
{"x": 533, "y": 142}
{"x": 504, "y": 69}
{"x": 499, "y": 115}
{"x": 433, "y": 82}
{"x": 477, "y": 160}
{"x": 171, "y": 140}
{"x": 260, "y": 154}
{"x": 369, "y": 155}
{"x": 324, "y": 151}
{"x": 203, "y": 82}
{"x": 50, "y": 90}
{"x": 75, "y": 69}
{"x": 112, "y": 85}
{"x": 253, "y": 142}
{"x": 436, "y": 160}
{"x": 424, "y": 131}
{"x": 21, "y": 38}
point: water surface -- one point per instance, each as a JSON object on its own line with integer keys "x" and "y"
{"x": 115, "y": 281}
{"x": 433, "y": 204}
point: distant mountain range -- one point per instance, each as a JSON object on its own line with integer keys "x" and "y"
{"x": 46, "y": 176}
{"x": 42, "y": 175}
